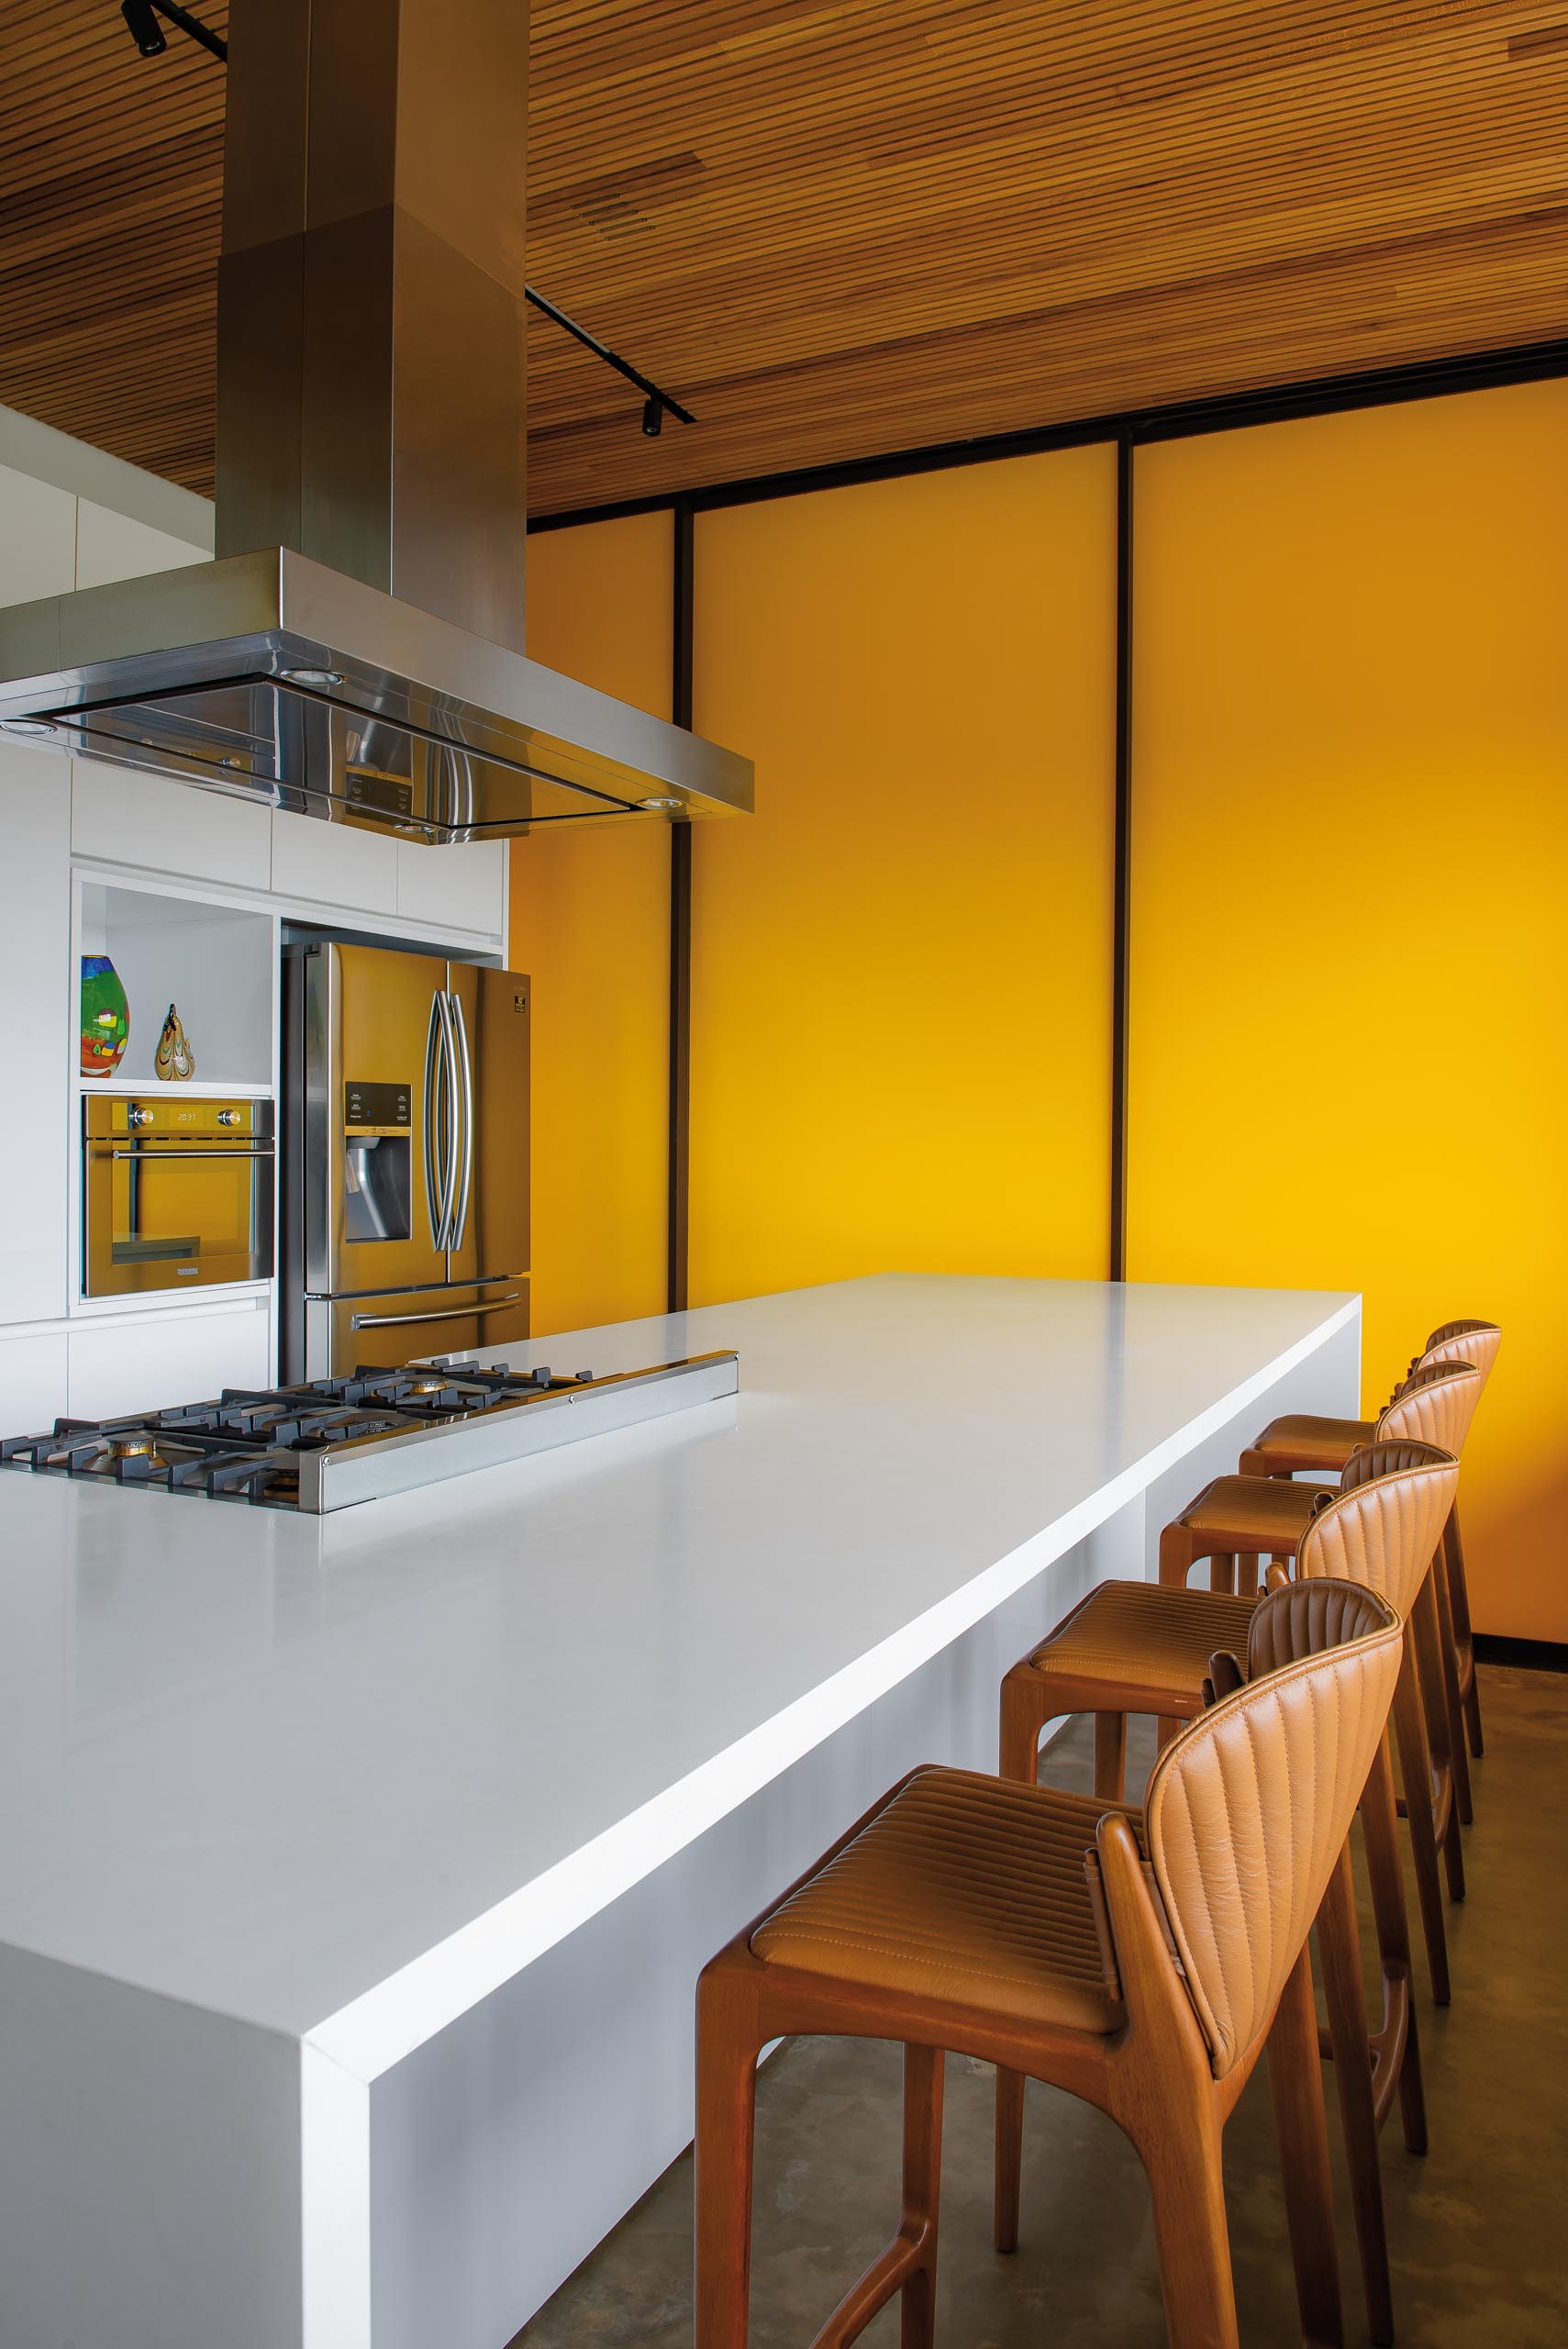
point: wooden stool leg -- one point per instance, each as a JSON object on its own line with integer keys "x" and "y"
{"x": 1338, "y": 1950}
{"x": 1386, "y": 1878}
{"x": 1110, "y": 1756}
{"x": 1175, "y": 1556}
{"x": 923, "y": 2077}
{"x": 1416, "y": 1772}
{"x": 1023, "y": 1716}
{"x": 1009, "y": 2159}
{"x": 1187, "y": 2189}
{"x": 1448, "y": 1664}
{"x": 1464, "y": 1636}
{"x": 1295, "y": 2084}
{"x": 727, "y": 2048}
{"x": 1426, "y": 1633}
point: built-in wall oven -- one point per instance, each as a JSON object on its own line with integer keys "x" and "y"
{"x": 176, "y": 1193}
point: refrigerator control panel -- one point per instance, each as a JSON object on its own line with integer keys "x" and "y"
{"x": 377, "y": 1108}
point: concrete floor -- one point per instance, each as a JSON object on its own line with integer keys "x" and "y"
{"x": 1476, "y": 2228}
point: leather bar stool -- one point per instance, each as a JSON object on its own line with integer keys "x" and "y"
{"x": 1427, "y": 1403}
{"x": 1139, "y": 1647}
{"x": 1143, "y": 1962}
{"x": 1477, "y": 1342}
{"x": 1299, "y": 1618}
{"x": 1136, "y": 1647}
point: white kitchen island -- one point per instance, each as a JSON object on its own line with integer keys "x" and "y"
{"x": 355, "y": 1874}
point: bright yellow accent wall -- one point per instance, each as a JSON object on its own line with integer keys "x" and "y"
{"x": 1350, "y": 975}
{"x": 590, "y": 921}
{"x": 901, "y": 963}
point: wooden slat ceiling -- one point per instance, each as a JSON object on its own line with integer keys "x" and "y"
{"x": 836, "y": 230}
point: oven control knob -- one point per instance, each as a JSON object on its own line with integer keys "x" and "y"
{"x": 135, "y": 1116}
{"x": 229, "y": 1117}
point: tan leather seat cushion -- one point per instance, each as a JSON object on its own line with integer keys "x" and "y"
{"x": 1313, "y": 1442}
{"x": 964, "y": 1889}
{"x": 1262, "y": 1513}
{"x": 1146, "y": 1635}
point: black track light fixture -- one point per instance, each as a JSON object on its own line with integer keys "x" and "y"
{"x": 141, "y": 20}
{"x": 654, "y": 415}
{"x": 141, "y": 23}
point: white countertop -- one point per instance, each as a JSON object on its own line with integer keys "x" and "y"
{"x": 341, "y": 1778}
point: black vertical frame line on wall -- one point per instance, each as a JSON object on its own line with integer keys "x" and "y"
{"x": 1121, "y": 915}
{"x": 681, "y": 699}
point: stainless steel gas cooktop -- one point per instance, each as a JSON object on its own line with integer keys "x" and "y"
{"x": 332, "y": 1442}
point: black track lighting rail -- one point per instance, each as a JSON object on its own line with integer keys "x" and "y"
{"x": 142, "y": 22}
{"x": 655, "y": 402}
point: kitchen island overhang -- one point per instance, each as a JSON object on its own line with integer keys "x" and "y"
{"x": 384, "y": 1807}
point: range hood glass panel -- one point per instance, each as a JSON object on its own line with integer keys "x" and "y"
{"x": 256, "y": 735}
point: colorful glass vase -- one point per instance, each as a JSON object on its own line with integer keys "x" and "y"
{"x": 106, "y": 1017}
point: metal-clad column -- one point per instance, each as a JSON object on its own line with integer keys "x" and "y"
{"x": 372, "y": 381}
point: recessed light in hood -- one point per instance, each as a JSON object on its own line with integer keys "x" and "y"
{"x": 356, "y": 650}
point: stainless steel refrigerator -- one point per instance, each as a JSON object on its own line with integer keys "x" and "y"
{"x": 405, "y": 1158}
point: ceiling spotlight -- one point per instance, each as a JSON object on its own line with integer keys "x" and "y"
{"x": 143, "y": 26}
{"x": 653, "y": 407}
{"x": 141, "y": 23}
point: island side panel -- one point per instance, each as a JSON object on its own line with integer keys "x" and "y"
{"x": 506, "y": 2147}
{"x": 150, "y": 2169}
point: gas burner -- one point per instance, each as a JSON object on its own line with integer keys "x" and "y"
{"x": 116, "y": 1455}
{"x": 329, "y": 1442}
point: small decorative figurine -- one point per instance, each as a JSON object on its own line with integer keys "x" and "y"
{"x": 106, "y": 1017}
{"x": 173, "y": 1059}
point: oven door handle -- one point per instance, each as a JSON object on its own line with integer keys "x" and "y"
{"x": 170, "y": 1154}
{"x": 453, "y": 1313}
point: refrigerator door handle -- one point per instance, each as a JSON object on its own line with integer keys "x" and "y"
{"x": 464, "y": 1058}
{"x": 435, "y": 1171}
{"x": 457, "y": 1313}
{"x": 452, "y": 1107}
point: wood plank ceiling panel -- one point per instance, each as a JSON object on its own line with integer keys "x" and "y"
{"x": 840, "y": 227}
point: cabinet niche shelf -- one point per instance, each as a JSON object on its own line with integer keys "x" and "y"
{"x": 215, "y": 963}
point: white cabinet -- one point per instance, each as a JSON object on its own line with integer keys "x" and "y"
{"x": 158, "y": 1359}
{"x": 38, "y": 538}
{"x": 169, "y": 828}
{"x": 36, "y": 991}
{"x": 334, "y": 864}
{"x": 32, "y": 1381}
{"x": 112, "y": 546}
{"x": 455, "y": 888}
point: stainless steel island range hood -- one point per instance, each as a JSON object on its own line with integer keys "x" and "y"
{"x": 355, "y": 650}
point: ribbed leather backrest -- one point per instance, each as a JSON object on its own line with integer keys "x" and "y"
{"x": 1389, "y": 1456}
{"x": 1246, "y": 1813}
{"x": 1435, "y": 1405}
{"x": 1382, "y": 1531}
{"x": 1473, "y": 1342}
{"x": 1304, "y": 1619}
